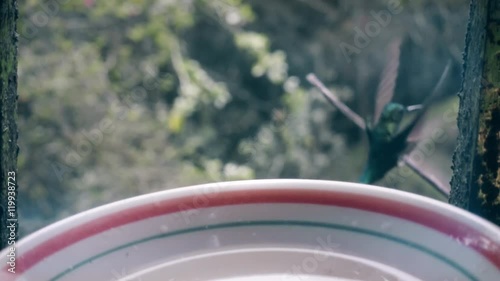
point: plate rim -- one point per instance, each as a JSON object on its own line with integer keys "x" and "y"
{"x": 431, "y": 213}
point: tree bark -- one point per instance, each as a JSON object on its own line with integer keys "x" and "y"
{"x": 475, "y": 185}
{"x": 8, "y": 108}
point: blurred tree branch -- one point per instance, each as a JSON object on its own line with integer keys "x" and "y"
{"x": 476, "y": 162}
{"x": 8, "y": 108}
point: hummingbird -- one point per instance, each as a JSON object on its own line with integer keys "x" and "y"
{"x": 388, "y": 139}
{"x": 387, "y": 142}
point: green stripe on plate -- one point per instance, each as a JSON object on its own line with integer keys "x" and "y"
{"x": 276, "y": 223}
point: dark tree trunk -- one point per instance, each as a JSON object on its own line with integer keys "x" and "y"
{"x": 476, "y": 163}
{"x": 8, "y": 108}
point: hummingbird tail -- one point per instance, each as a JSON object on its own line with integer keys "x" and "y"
{"x": 366, "y": 176}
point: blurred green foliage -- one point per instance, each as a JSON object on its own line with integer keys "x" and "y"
{"x": 119, "y": 98}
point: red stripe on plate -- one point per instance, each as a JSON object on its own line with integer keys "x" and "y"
{"x": 486, "y": 246}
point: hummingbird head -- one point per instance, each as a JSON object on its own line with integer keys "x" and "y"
{"x": 393, "y": 113}
{"x": 389, "y": 121}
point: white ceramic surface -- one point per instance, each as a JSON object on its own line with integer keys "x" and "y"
{"x": 264, "y": 230}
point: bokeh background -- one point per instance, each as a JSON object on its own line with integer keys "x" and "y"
{"x": 121, "y": 98}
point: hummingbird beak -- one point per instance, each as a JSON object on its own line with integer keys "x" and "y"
{"x": 414, "y": 107}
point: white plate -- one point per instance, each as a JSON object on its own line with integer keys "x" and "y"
{"x": 264, "y": 230}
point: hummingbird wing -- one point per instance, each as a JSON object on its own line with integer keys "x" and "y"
{"x": 385, "y": 90}
{"x": 336, "y": 102}
{"x": 413, "y": 130}
{"x": 403, "y": 136}
{"x": 440, "y": 186}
